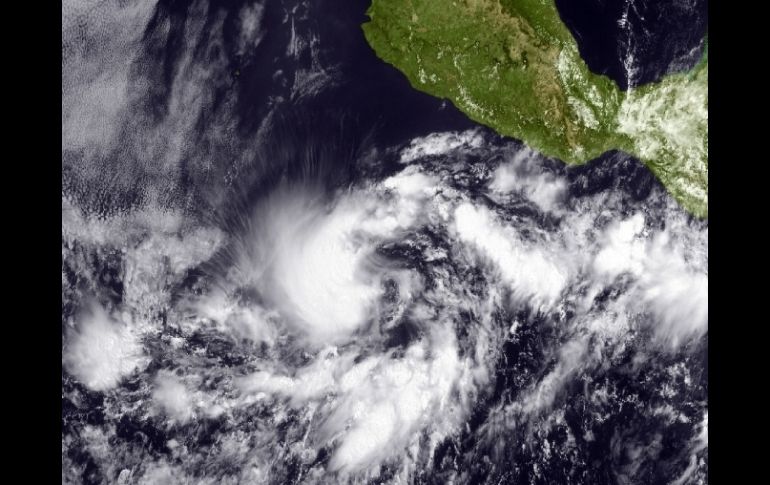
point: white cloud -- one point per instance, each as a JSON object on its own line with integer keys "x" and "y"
{"x": 318, "y": 272}
{"x": 315, "y": 265}
{"x": 102, "y": 351}
{"x": 624, "y": 249}
{"x": 381, "y": 415}
{"x": 524, "y": 174}
{"x": 531, "y": 272}
{"x": 412, "y": 182}
{"x": 676, "y": 295}
{"x": 378, "y": 406}
{"x": 153, "y": 265}
{"x": 542, "y": 395}
{"x": 666, "y": 285}
{"x": 250, "y": 321}
{"x": 310, "y": 382}
{"x": 699, "y": 443}
{"x": 108, "y": 140}
{"x": 250, "y": 34}
{"x": 99, "y": 40}
{"x": 171, "y": 395}
{"x": 440, "y": 144}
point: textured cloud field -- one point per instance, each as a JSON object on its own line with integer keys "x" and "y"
{"x": 273, "y": 306}
{"x": 349, "y": 336}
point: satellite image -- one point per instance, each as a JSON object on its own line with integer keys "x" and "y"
{"x": 384, "y": 242}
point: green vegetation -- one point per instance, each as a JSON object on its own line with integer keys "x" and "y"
{"x": 514, "y": 66}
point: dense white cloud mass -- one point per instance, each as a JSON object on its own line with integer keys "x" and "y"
{"x": 318, "y": 269}
{"x": 522, "y": 174}
{"x": 357, "y": 333}
{"x": 172, "y": 397}
{"x": 530, "y": 272}
{"x": 102, "y": 350}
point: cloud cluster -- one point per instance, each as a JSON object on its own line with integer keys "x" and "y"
{"x": 103, "y": 350}
{"x": 359, "y": 329}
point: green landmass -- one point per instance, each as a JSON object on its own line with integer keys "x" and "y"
{"x": 514, "y": 66}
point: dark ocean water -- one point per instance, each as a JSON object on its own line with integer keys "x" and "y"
{"x": 366, "y": 105}
{"x": 660, "y": 36}
{"x": 370, "y": 104}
